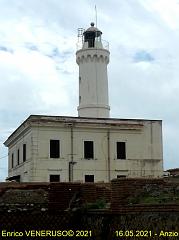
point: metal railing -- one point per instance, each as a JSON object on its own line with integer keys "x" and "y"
{"x": 104, "y": 43}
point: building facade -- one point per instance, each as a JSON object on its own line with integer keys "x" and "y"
{"x": 47, "y": 148}
{"x": 91, "y": 147}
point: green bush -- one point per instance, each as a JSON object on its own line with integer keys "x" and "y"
{"x": 99, "y": 204}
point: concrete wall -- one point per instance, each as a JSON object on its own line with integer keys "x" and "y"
{"x": 24, "y": 168}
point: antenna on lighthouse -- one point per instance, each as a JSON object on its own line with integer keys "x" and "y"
{"x": 96, "y": 14}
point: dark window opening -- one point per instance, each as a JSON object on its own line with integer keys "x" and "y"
{"x": 90, "y": 38}
{"x": 121, "y": 150}
{"x": 89, "y": 178}
{"x": 79, "y": 99}
{"x": 54, "y": 148}
{"x": 121, "y": 176}
{"x": 54, "y": 178}
{"x": 24, "y": 152}
{"x": 88, "y": 149}
{"x": 14, "y": 178}
{"x": 91, "y": 43}
{"x": 12, "y": 160}
{"x": 79, "y": 79}
{"x": 18, "y": 157}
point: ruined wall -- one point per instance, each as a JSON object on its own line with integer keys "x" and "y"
{"x": 123, "y": 195}
{"x": 51, "y": 196}
{"x": 137, "y": 206}
{"x": 132, "y": 195}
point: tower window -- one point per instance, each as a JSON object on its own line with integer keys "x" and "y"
{"x": 121, "y": 150}
{"x": 88, "y": 150}
{"x": 90, "y": 38}
{"x": 24, "y": 152}
{"x": 12, "y": 160}
{"x": 54, "y": 178}
{"x": 91, "y": 43}
{"x": 18, "y": 157}
{"x": 54, "y": 148}
{"x": 79, "y": 79}
{"x": 89, "y": 178}
{"x": 79, "y": 99}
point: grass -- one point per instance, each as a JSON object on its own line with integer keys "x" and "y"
{"x": 149, "y": 199}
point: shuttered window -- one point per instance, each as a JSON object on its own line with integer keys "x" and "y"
{"x": 54, "y": 178}
{"x": 24, "y": 152}
{"x": 54, "y": 149}
{"x": 89, "y": 178}
{"x": 18, "y": 157}
{"x": 121, "y": 150}
{"x": 88, "y": 150}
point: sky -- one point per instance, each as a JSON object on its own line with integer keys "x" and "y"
{"x": 39, "y": 74}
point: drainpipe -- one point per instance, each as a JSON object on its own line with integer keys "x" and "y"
{"x": 109, "y": 164}
{"x": 71, "y": 163}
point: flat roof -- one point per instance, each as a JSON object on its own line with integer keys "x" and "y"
{"x": 48, "y": 118}
{"x": 91, "y": 118}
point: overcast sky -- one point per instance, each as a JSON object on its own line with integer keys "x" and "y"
{"x": 39, "y": 74}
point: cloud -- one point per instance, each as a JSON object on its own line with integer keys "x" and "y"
{"x": 31, "y": 46}
{"x": 143, "y": 56}
{"x": 5, "y": 49}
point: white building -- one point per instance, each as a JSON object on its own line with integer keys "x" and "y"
{"x": 92, "y": 146}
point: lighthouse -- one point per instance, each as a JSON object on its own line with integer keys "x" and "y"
{"x": 93, "y": 58}
{"x": 92, "y": 147}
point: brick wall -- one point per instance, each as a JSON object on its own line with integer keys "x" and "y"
{"x": 62, "y": 196}
{"x": 122, "y": 190}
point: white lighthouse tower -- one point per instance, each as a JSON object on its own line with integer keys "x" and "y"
{"x": 92, "y": 59}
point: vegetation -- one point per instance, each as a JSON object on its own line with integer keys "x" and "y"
{"x": 154, "y": 198}
{"x": 99, "y": 204}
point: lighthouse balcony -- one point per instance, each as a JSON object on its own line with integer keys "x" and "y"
{"x": 102, "y": 44}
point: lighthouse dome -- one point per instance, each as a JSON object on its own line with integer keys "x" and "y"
{"x": 93, "y": 29}
{"x": 91, "y": 35}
